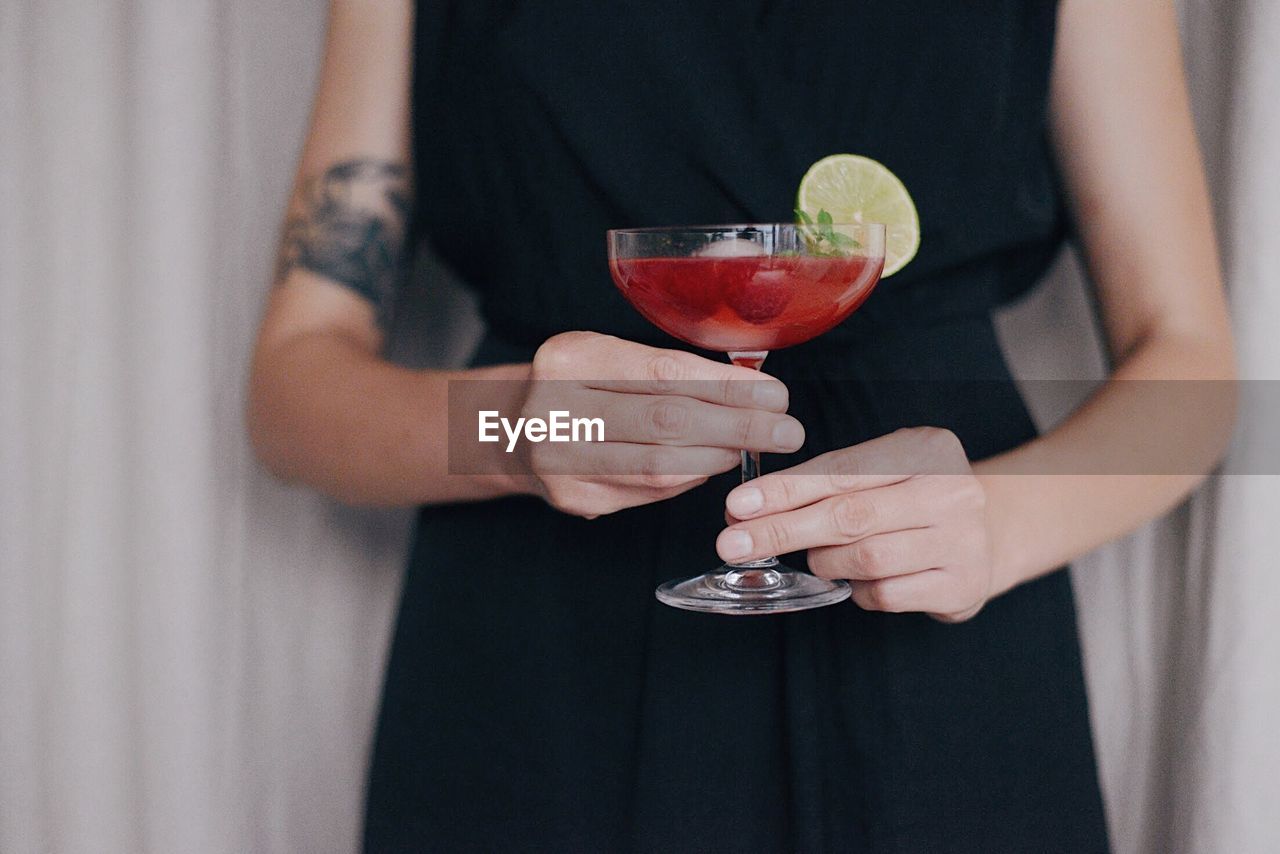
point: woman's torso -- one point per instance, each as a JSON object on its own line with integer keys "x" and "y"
{"x": 537, "y": 697}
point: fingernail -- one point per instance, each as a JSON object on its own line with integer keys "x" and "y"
{"x": 745, "y": 501}
{"x": 788, "y": 435}
{"x": 769, "y": 395}
{"x": 735, "y": 544}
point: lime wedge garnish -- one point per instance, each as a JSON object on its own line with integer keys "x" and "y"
{"x": 853, "y": 188}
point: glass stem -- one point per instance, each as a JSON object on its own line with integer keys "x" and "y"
{"x": 755, "y": 574}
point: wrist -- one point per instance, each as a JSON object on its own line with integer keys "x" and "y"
{"x": 472, "y": 470}
{"x": 1008, "y": 559}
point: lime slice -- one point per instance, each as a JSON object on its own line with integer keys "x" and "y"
{"x": 853, "y": 188}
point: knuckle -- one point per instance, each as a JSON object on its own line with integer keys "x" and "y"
{"x": 881, "y": 597}
{"x": 667, "y": 419}
{"x": 929, "y": 437}
{"x": 874, "y": 558}
{"x": 957, "y": 617}
{"x": 843, "y": 471}
{"x": 587, "y": 500}
{"x": 938, "y": 446}
{"x": 651, "y": 471}
{"x": 852, "y": 515}
{"x": 556, "y": 357}
{"x": 578, "y": 507}
{"x": 570, "y": 501}
{"x": 664, "y": 370}
{"x": 665, "y": 482}
{"x": 964, "y": 614}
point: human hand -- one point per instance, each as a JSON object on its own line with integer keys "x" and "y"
{"x": 902, "y": 517}
{"x": 672, "y": 419}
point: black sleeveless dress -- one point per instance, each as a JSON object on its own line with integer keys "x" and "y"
{"x": 538, "y": 698}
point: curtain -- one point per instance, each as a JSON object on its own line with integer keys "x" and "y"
{"x": 1179, "y": 620}
{"x": 190, "y": 652}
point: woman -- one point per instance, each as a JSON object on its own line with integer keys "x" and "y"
{"x": 537, "y": 696}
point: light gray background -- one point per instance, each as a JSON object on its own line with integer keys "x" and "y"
{"x": 190, "y": 652}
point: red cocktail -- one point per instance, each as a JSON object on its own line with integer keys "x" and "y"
{"x": 758, "y": 302}
{"x": 746, "y": 290}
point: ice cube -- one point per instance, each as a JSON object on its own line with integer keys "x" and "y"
{"x": 731, "y": 247}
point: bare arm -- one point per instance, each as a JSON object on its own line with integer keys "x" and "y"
{"x": 1127, "y": 148}
{"x": 324, "y": 407}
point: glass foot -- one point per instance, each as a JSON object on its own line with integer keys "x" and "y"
{"x": 762, "y": 587}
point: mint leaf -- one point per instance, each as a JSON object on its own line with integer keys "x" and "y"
{"x": 821, "y": 237}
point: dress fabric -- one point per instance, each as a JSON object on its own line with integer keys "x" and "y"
{"x": 538, "y": 697}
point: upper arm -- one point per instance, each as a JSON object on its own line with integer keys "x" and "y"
{"x": 346, "y": 236}
{"x": 1126, "y": 145}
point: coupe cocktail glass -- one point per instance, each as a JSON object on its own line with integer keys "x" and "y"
{"x": 745, "y": 290}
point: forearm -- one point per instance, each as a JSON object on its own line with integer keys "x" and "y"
{"x": 1132, "y": 451}
{"x": 325, "y": 412}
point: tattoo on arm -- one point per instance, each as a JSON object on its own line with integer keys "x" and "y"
{"x": 353, "y": 229}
